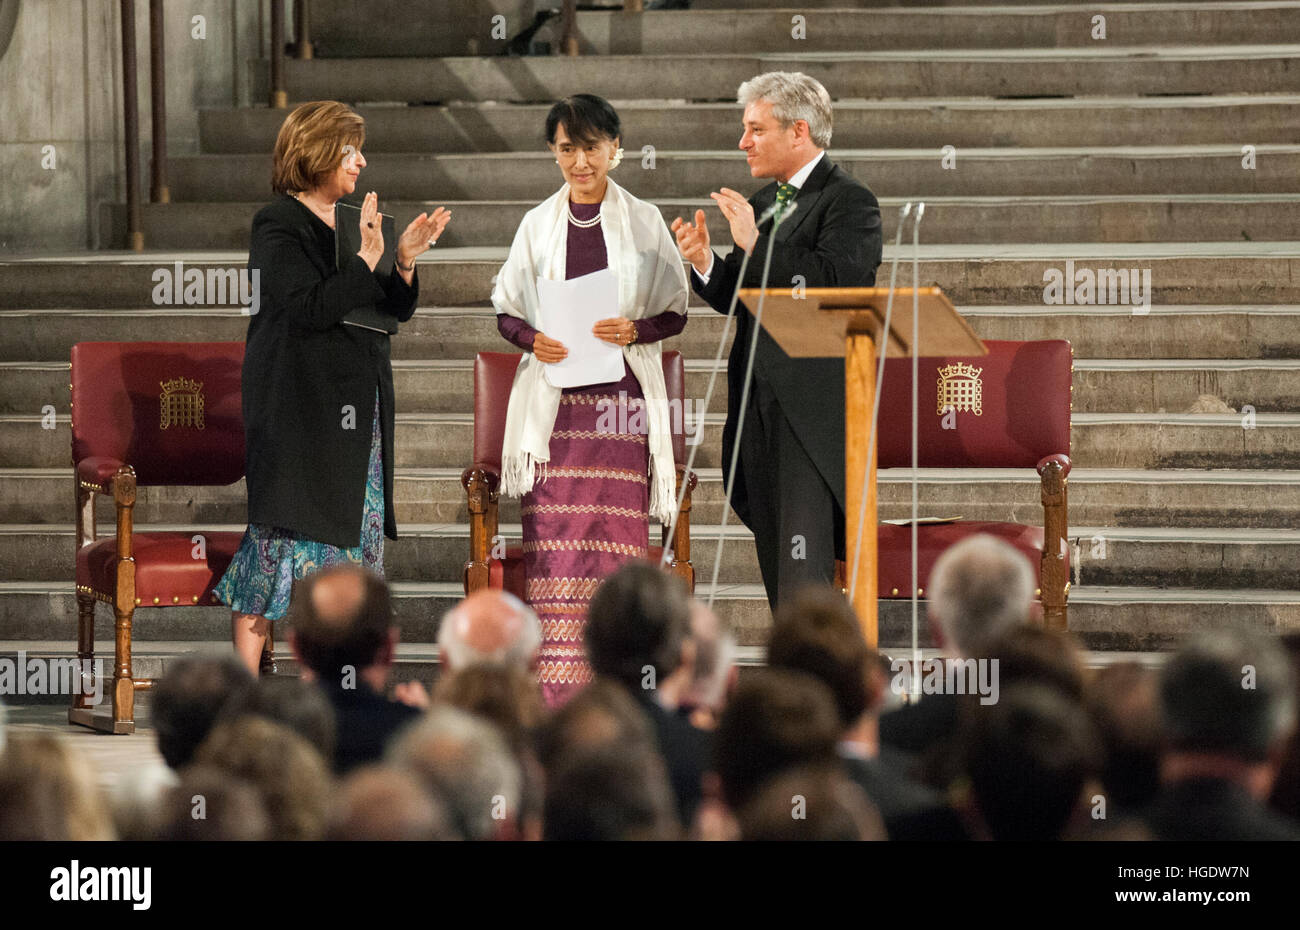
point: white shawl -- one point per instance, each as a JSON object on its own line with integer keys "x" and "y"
{"x": 643, "y": 256}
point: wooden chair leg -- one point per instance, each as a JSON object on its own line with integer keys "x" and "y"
{"x": 85, "y": 647}
{"x": 123, "y": 677}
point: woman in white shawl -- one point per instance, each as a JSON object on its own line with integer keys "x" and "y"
{"x": 590, "y": 463}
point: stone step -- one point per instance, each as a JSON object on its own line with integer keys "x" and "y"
{"x": 1075, "y": 177}
{"x": 1204, "y": 69}
{"x": 1098, "y": 497}
{"x": 970, "y": 274}
{"x": 1098, "y": 440}
{"x": 884, "y": 123}
{"x": 743, "y": 29}
{"x": 1163, "y": 218}
{"x": 1100, "y": 385}
{"x": 1190, "y": 557}
{"x": 1238, "y": 333}
{"x": 1109, "y": 618}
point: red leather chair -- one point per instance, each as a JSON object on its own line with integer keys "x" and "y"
{"x": 147, "y": 413}
{"x": 1022, "y": 392}
{"x": 494, "y": 374}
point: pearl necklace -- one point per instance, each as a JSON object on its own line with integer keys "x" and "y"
{"x": 582, "y": 224}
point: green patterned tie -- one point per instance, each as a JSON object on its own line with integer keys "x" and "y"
{"x": 785, "y": 193}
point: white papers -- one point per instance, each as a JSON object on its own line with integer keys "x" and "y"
{"x": 569, "y": 309}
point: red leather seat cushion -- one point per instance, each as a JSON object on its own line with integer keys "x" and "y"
{"x": 895, "y": 549}
{"x": 508, "y": 574}
{"x": 165, "y": 567}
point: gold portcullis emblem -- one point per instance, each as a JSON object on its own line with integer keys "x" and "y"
{"x": 181, "y": 403}
{"x": 960, "y": 389}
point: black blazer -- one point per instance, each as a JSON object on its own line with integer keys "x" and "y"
{"x": 302, "y": 366}
{"x": 833, "y": 239}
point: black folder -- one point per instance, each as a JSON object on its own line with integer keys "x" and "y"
{"x": 347, "y": 243}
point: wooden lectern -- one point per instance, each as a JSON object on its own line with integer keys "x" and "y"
{"x": 847, "y": 321}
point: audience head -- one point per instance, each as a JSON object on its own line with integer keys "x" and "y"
{"x": 1228, "y": 694}
{"x": 817, "y": 632}
{"x": 811, "y": 803}
{"x": 301, "y": 707}
{"x": 342, "y": 618}
{"x": 776, "y": 720}
{"x": 1033, "y": 654}
{"x": 1027, "y": 758}
{"x": 48, "y": 792}
{"x": 1124, "y": 702}
{"x": 601, "y": 714}
{"x": 507, "y": 697}
{"x": 490, "y": 627}
{"x": 211, "y": 804}
{"x": 186, "y": 702}
{"x": 610, "y": 792}
{"x": 292, "y": 778}
{"x": 979, "y": 590}
{"x": 466, "y": 764}
{"x": 638, "y": 626}
{"x": 384, "y": 803}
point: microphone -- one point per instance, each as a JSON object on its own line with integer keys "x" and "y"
{"x": 778, "y": 212}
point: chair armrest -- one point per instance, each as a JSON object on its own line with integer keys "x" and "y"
{"x": 96, "y": 473}
{"x": 1054, "y": 575}
{"x": 490, "y": 477}
{"x": 480, "y": 483}
{"x": 680, "y": 544}
{"x": 1055, "y": 461}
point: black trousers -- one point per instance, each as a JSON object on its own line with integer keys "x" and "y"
{"x": 798, "y": 525}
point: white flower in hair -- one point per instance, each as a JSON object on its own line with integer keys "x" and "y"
{"x": 618, "y": 157}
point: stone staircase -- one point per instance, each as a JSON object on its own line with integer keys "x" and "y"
{"x": 1124, "y": 153}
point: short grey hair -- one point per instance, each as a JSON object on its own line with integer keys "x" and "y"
{"x": 980, "y": 589}
{"x": 1228, "y": 692}
{"x": 456, "y": 653}
{"x": 466, "y": 764}
{"x": 794, "y": 96}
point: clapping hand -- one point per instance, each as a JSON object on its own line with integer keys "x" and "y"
{"x": 421, "y": 234}
{"x": 693, "y": 241}
{"x": 372, "y": 231}
{"x": 740, "y": 215}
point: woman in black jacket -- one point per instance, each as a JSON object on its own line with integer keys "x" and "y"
{"x": 317, "y": 392}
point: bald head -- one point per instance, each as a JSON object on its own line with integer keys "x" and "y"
{"x": 489, "y": 627}
{"x": 341, "y": 616}
{"x": 337, "y": 595}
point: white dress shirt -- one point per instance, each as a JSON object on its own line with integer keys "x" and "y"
{"x": 797, "y": 180}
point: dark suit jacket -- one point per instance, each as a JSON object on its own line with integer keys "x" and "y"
{"x": 686, "y": 749}
{"x": 302, "y": 366}
{"x": 1206, "y": 809}
{"x": 888, "y": 787}
{"x": 365, "y": 722}
{"x": 831, "y": 240}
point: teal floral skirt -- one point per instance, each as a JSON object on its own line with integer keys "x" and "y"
{"x": 270, "y": 559}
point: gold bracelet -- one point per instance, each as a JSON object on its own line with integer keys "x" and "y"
{"x": 634, "y": 334}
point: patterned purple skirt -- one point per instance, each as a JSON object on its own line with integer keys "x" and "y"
{"x": 588, "y": 517}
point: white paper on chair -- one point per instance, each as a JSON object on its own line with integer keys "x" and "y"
{"x": 569, "y": 310}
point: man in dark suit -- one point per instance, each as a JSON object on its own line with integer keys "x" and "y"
{"x": 343, "y": 634}
{"x": 1229, "y": 708}
{"x": 789, "y": 485}
{"x": 638, "y": 635}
